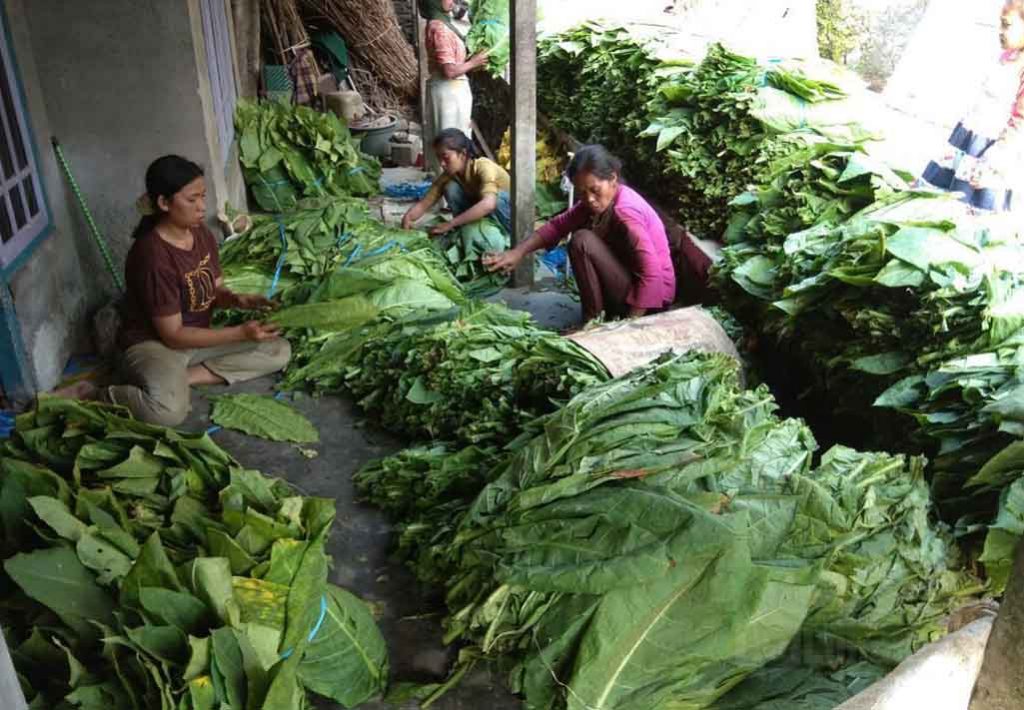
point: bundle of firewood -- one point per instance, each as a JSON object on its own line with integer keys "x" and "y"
{"x": 374, "y": 38}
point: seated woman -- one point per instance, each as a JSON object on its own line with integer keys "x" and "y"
{"x": 619, "y": 251}
{"x": 477, "y": 191}
{"x": 173, "y": 284}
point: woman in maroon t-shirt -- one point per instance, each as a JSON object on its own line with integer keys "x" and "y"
{"x": 174, "y": 283}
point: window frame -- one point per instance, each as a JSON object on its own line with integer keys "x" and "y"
{"x": 24, "y": 241}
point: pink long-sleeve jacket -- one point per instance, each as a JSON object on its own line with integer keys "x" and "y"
{"x": 634, "y": 231}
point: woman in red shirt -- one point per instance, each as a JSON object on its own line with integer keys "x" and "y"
{"x": 449, "y": 96}
{"x": 174, "y": 282}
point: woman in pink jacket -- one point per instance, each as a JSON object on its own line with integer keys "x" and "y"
{"x": 619, "y": 250}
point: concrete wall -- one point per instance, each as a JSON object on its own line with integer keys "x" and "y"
{"x": 119, "y": 82}
{"x": 51, "y": 294}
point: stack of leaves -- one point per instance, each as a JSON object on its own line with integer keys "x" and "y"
{"x": 969, "y": 409}
{"x": 290, "y": 152}
{"x": 791, "y": 683}
{"x": 630, "y": 553}
{"x": 910, "y": 305}
{"x": 145, "y": 568}
{"x": 425, "y": 490}
{"x": 336, "y": 270}
{"x": 489, "y": 33}
{"x": 823, "y": 183}
{"x": 473, "y": 376}
{"x": 594, "y": 82}
{"x": 725, "y": 124}
{"x": 315, "y": 232}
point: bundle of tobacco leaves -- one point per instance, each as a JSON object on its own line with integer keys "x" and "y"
{"x": 473, "y": 375}
{"x": 664, "y": 535}
{"x": 490, "y": 33}
{"x": 146, "y": 568}
{"x": 290, "y": 152}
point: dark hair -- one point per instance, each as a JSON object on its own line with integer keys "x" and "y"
{"x": 455, "y": 140}
{"x": 596, "y": 160}
{"x": 165, "y": 177}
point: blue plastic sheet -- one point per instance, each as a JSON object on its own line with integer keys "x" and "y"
{"x": 407, "y": 190}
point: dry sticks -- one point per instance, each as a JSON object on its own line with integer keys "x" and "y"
{"x": 285, "y": 26}
{"x": 374, "y": 37}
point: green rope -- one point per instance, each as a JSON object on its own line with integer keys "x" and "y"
{"x": 93, "y": 229}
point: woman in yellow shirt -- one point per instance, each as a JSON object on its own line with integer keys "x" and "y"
{"x": 477, "y": 191}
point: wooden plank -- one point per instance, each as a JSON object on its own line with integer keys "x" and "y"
{"x": 482, "y": 141}
{"x": 1000, "y": 684}
{"x": 421, "y": 58}
{"x": 524, "y": 129}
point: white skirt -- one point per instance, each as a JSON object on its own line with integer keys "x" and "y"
{"x": 449, "y": 105}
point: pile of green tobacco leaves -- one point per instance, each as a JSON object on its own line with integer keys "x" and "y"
{"x": 336, "y": 270}
{"x": 724, "y": 125}
{"x": 896, "y": 300}
{"x": 490, "y": 33}
{"x": 146, "y": 568}
{"x": 594, "y": 82}
{"x": 473, "y": 375}
{"x": 425, "y": 490}
{"x": 664, "y": 536}
{"x": 291, "y": 152}
{"x": 694, "y": 135}
{"x": 911, "y": 292}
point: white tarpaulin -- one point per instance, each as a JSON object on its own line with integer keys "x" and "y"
{"x": 625, "y": 345}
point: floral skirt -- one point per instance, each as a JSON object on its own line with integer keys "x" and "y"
{"x": 966, "y": 168}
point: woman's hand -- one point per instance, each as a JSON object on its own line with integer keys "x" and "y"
{"x": 479, "y": 59}
{"x": 506, "y": 261}
{"x": 253, "y": 302}
{"x": 258, "y": 332}
{"x": 408, "y": 220}
{"x": 442, "y": 229}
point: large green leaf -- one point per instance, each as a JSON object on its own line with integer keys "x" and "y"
{"x": 343, "y": 314}
{"x": 57, "y": 579}
{"x": 347, "y": 658}
{"x": 264, "y": 417}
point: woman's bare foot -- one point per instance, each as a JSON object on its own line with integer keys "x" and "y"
{"x": 84, "y": 390}
{"x": 200, "y": 375}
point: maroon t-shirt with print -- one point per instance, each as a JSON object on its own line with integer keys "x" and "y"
{"x": 163, "y": 280}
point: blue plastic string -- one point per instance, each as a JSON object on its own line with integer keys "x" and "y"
{"x": 316, "y": 629}
{"x": 280, "y": 259}
{"x": 356, "y": 170}
{"x": 490, "y": 22}
{"x": 214, "y": 429}
{"x": 343, "y": 237}
{"x": 353, "y": 255}
{"x": 385, "y": 247}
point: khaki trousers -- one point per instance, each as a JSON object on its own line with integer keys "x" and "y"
{"x": 157, "y": 391}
